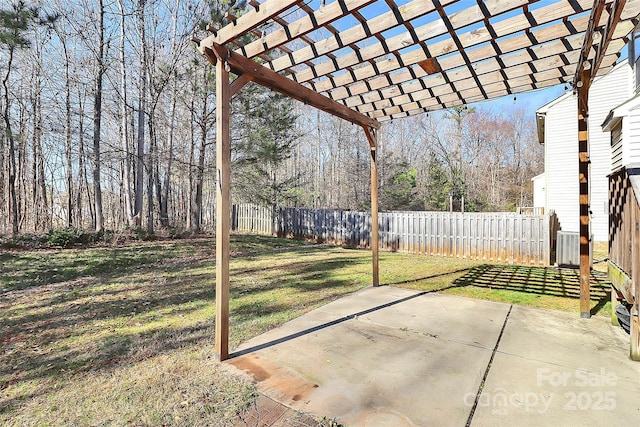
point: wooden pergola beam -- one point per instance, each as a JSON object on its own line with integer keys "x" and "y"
{"x": 378, "y": 56}
{"x": 583, "y": 179}
{"x": 548, "y": 56}
{"x": 423, "y": 99}
{"x": 582, "y": 82}
{"x": 583, "y": 62}
{"x": 302, "y": 26}
{"x": 377, "y": 25}
{"x": 615, "y": 12}
{"x": 279, "y": 83}
{"x": 560, "y": 9}
{"x": 250, "y": 20}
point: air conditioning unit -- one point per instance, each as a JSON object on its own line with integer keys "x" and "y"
{"x": 568, "y": 249}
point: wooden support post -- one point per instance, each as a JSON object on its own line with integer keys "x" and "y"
{"x": 634, "y": 348}
{"x": 634, "y": 344}
{"x": 223, "y": 175}
{"x": 586, "y": 70}
{"x": 583, "y": 175}
{"x": 372, "y": 137}
{"x": 614, "y": 303}
{"x": 374, "y": 216}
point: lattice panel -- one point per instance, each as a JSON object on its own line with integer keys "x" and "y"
{"x": 393, "y": 58}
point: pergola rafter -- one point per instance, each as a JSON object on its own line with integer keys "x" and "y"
{"x": 480, "y": 48}
{"x": 368, "y": 61}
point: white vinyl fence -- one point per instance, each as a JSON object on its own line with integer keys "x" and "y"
{"x": 493, "y": 237}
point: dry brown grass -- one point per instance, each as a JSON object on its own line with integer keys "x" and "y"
{"x": 182, "y": 387}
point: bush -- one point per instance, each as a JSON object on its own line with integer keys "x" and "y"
{"x": 63, "y": 237}
{"x": 69, "y": 236}
{"x": 143, "y": 234}
{"x": 177, "y": 233}
{"x": 27, "y": 240}
{"x": 89, "y": 237}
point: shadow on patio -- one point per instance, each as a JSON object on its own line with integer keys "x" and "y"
{"x": 548, "y": 281}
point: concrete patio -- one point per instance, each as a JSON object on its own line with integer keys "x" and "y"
{"x": 390, "y": 356}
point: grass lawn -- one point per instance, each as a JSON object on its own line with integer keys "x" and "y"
{"x": 124, "y": 335}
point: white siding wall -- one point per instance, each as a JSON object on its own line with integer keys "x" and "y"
{"x": 561, "y": 152}
{"x": 631, "y": 136}
{"x": 606, "y": 93}
{"x": 561, "y": 161}
{"x": 539, "y": 191}
{"x": 616, "y": 147}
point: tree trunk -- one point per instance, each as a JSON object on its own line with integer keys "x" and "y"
{"x": 67, "y": 134}
{"x": 192, "y": 149}
{"x": 196, "y": 221}
{"x": 21, "y": 168}
{"x": 4, "y": 219}
{"x": 40, "y": 205}
{"x": 196, "y": 214}
{"x": 124, "y": 140}
{"x": 83, "y": 183}
{"x": 97, "y": 117}
{"x": 150, "y": 175}
{"x": 137, "y": 210}
{"x": 82, "y": 164}
{"x": 164, "y": 200}
{"x": 274, "y": 202}
{"x": 35, "y": 203}
{"x": 13, "y": 206}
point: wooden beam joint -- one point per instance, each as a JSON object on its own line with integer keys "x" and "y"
{"x": 372, "y": 137}
{"x": 239, "y": 83}
{"x": 263, "y": 76}
{"x": 585, "y": 63}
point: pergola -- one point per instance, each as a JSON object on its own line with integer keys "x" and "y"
{"x": 370, "y": 61}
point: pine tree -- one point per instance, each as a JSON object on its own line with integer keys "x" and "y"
{"x": 15, "y": 25}
{"x": 400, "y": 190}
{"x": 438, "y": 187}
{"x": 266, "y": 141}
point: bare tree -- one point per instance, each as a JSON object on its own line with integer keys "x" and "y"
{"x": 124, "y": 139}
{"x": 15, "y": 24}
{"x": 97, "y": 119}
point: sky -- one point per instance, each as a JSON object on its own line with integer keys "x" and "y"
{"x": 528, "y": 100}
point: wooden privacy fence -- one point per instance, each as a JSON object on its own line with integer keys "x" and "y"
{"x": 251, "y": 219}
{"x": 493, "y": 237}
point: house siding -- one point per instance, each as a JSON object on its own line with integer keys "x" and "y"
{"x": 616, "y": 147}
{"x": 631, "y": 136}
{"x": 561, "y": 152}
{"x": 606, "y": 93}
{"x": 539, "y": 191}
{"x": 561, "y": 162}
